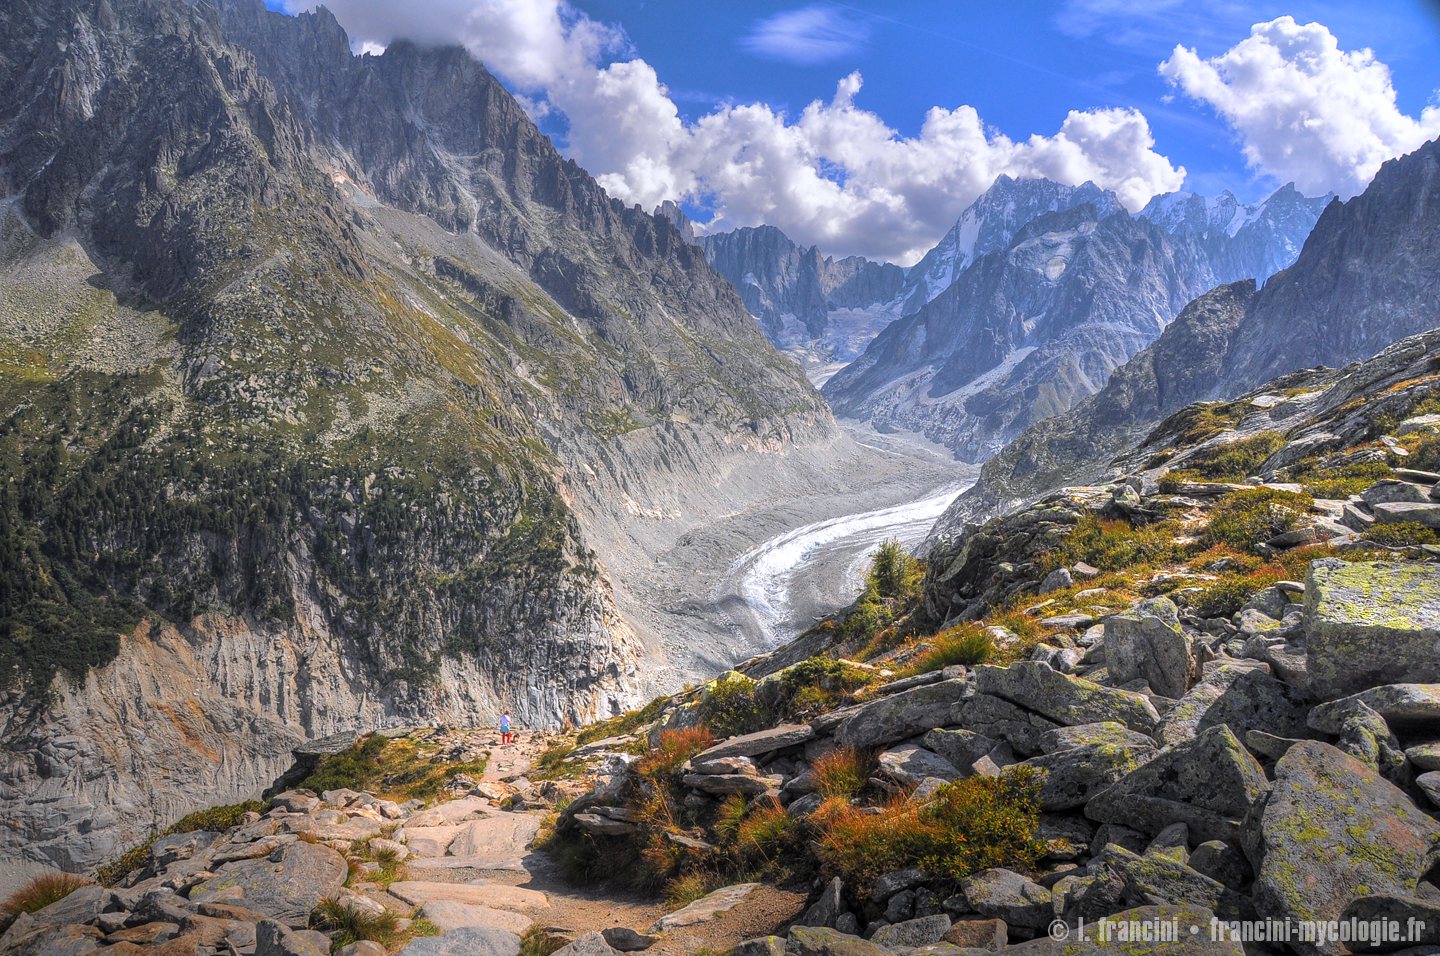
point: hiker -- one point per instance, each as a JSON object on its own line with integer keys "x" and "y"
{"x": 505, "y": 728}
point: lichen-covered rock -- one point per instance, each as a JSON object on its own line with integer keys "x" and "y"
{"x": 825, "y": 910}
{"x": 1370, "y": 623}
{"x": 1364, "y": 735}
{"x": 1066, "y": 700}
{"x": 1005, "y": 894}
{"x": 1147, "y": 642}
{"x": 1221, "y": 862}
{"x": 1242, "y": 698}
{"x": 997, "y": 718}
{"x": 819, "y": 941}
{"x": 1156, "y": 877}
{"x": 921, "y": 931}
{"x": 913, "y": 764}
{"x": 1073, "y": 776}
{"x": 285, "y": 885}
{"x": 1208, "y": 783}
{"x": 761, "y": 742}
{"x": 1104, "y": 732}
{"x": 960, "y": 747}
{"x": 902, "y": 715}
{"x": 1415, "y": 707}
{"x": 1330, "y": 826}
{"x": 1411, "y": 915}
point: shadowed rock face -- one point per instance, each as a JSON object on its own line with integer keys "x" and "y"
{"x": 315, "y": 353}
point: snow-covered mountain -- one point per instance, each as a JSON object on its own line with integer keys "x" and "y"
{"x": 1035, "y": 314}
{"x": 988, "y": 224}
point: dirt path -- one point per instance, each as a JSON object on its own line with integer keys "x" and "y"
{"x": 577, "y": 909}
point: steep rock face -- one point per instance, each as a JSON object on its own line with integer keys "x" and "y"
{"x": 300, "y": 352}
{"x": 988, "y": 225}
{"x": 801, "y": 297}
{"x": 1364, "y": 279}
{"x": 1024, "y": 333}
{"x": 1254, "y": 241}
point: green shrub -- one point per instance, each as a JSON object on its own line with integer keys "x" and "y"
{"x": 972, "y": 824}
{"x": 1228, "y": 595}
{"x": 537, "y": 941}
{"x": 1235, "y": 461}
{"x": 843, "y": 772}
{"x": 730, "y": 707}
{"x": 967, "y": 644}
{"x": 1243, "y": 519}
{"x": 819, "y": 685}
{"x": 894, "y": 572}
{"x": 383, "y": 766}
{"x": 1401, "y": 534}
{"x": 1119, "y": 546}
{"x": 38, "y": 894}
{"x": 345, "y": 925}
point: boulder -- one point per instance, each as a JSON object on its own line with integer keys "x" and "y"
{"x": 1429, "y": 784}
{"x": 449, "y": 915}
{"x": 998, "y": 719}
{"x": 284, "y": 885}
{"x": 1406, "y": 915}
{"x": 26, "y": 938}
{"x": 762, "y": 742}
{"x": 760, "y": 946}
{"x": 1330, "y": 825}
{"x": 589, "y": 944}
{"x": 988, "y": 934}
{"x": 465, "y": 941}
{"x": 1424, "y": 756}
{"x": 81, "y": 906}
{"x": 819, "y": 941}
{"x": 429, "y": 841}
{"x": 604, "y": 826}
{"x": 1389, "y": 490}
{"x": 1405, "y": 512}
{"x": 960, "y": 748}
{"x": 1005, "y": 894}
{"x": 273, "y": 938}
{"x": 1412, "y": 707}
{"x": 726, "y": 765}
{"x": 913, "y": 932}
{"x": 912, "y": 764}
{"x": 1209, "y": 783}
{"x": 622, "y": 939}
{"x": 722, "y": 784}
{"x": 825, "y": 910}
{"x": 1081, "y": 735}
{"x": 1221, "y": 862}
{"x": 1241, "y": 698}
{"x": 902, "y": 715}
{"x": 1147, "y": 643}
{"x": 1159, "y": 878}
{"x": 896, "y": 881}
{"x": 706, "y": 908}
{"x": 1370, "y": 623}
{"x": 1075, "y": 775}
{"x": 1364, "y": 735}
{"x": 1064, "y": 699}
{"x": 1119, "y": 835}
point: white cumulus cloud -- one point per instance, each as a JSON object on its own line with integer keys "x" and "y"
{"x": 836, "y": 174}
{"x": 1304, "y": 109}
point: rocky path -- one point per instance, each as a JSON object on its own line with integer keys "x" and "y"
{"x": 498, "y": 870}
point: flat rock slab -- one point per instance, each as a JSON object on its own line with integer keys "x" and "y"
{"x": 456, "y": 811}
{"x": 492, "y": 895}
{"x": 902, "y": 715}
{"x": 912, "y": 765}
{"x": 706, "y": 908}
{"x": 428, "y": 841}
{"x": 450, "y": 915}
{"x": 466, "y": 941}
{"x": 763, "y": 742}
{"x": 285, "y": 885}
{"x": 1371, "y": 623}
{"x": 504, "y": 835}
{"x": 1401, "y": 705}
{"x": 508, "y": 864}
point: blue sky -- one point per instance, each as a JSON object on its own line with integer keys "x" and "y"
{"x": 1023, "y": 66}
{"x": 706, "y": 102}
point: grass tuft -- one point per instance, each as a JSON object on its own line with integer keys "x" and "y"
{"x": 967, "y": 644}
{"x": 842, "y": 772}
{"x": 536, "y": 941}
{"x": 38, "y": 894}
{"x": 345, "y": 925}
